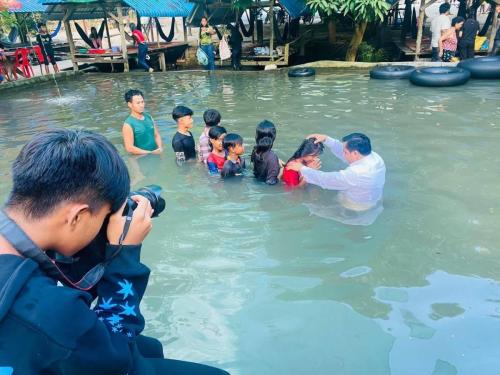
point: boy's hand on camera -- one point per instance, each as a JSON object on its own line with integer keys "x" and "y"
{"x": 320, "y": 138}
{"x": 139, "y": 227}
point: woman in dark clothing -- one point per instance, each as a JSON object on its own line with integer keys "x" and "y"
{"x": 235, "y": 42}
{"x": 266, "y": 165}
{"x": 95, "y": 38}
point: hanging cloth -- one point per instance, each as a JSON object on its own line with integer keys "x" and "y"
{"x": 248, "y": 33}
{"x": 280, "y": 39}
{"x": 139, "y": 25}
{"x": 56, "y": 31}
{"x": 84, "y": 36}
{"x": 224, "y": 51}
{"x": 162, "y": 34}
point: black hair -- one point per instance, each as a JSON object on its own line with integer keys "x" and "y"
{"x": 211, "y": 117}
{"x": 231, "y": 140}
{"x": 456, "y": 20}
{"x": 131, "y": 93}
{"x": 443, "y": 8}
{"x": 358, "y": 142}
{"x": 265, "y": 134}
{"x": 181, "y": 111}
{"x": 307, "y": 148}
{"x": 93, "y": 33}
{"x": 132, "y": 26}
{"x": 63, "y": 165}
{"x": 214, "y": 133}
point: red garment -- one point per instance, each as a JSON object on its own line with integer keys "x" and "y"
{"x": 291, "y": 177}
{"x": 217, "y": 160}
{"x": 138, "y": 35}
{"x": 450, "y": 44}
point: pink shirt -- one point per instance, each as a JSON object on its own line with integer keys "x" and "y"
{"x": 138, "y": 35}
{"x": 450, "y": 44}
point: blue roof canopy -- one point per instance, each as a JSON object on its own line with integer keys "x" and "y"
{"x": 295, "y": 8}
{"x": 92, "y": 9}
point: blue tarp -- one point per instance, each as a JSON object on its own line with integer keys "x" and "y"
{"x": 90, "y": 9}
{"x": 29, "y": 6}
{"x": 295, "y": 8}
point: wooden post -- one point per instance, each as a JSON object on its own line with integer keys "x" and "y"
{"x": 421, "y": 20}
{"x": 69, "y": 37}
{"x": 122, "y": 38}
{"x": 494, "y": 28}
{"x": 271, "y": 19}
{"x": 163, "y": 63}
{"x": 185, "y": 29}
{"x": 107, "y": 30}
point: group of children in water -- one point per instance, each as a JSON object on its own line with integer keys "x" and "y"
{"x": 222, "y": 151}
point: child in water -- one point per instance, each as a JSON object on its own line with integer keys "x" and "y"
{"x": 307, "y": 154}
{"x": 266, "y": 165}
{"x": 217, "y": 156}
{"x": 211, "y": 117}
{"x": 234, "y": 165}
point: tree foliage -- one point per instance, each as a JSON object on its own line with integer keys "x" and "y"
{"x": 358, "y": 10}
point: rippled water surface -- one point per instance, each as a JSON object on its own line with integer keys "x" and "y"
{"x": 258, "y": 280}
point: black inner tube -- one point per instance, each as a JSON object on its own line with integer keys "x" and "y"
{"x": 439, "y": 76}
{"x": 301, "y": 72}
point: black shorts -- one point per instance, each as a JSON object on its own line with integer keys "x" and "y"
{"x": 50, "y": 57}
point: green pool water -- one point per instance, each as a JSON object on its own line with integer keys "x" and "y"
{"x": 258, "y": 280}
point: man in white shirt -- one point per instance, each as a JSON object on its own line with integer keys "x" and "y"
{"x": 361, "y": 184}
{"x": 439, "y": 25}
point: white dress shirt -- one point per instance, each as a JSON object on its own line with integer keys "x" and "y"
{"x": 361, "y": 184}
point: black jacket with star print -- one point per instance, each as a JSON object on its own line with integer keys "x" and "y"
{"x": 50, "y": 329}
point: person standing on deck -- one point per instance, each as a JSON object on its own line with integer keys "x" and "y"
{"x": 468, "y": 38}
{"x": 361, "y": 184}
{"x": 439, "y": 25}
{"x": 142, "y": 47}
{"x": 206, "y": 44}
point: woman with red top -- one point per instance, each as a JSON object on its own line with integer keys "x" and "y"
{"x": 448, "y": 41}
{"x": 217, "y": 157}
{"x": 307, "y": 154}
{"x": 142, "y": 47}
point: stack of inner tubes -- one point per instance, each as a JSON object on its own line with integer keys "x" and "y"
{"x": 392, "y": 72}
{"x": 482, "y": 67}
{"x": 439, "y": 76}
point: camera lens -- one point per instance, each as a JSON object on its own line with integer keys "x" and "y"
{"x": 152, "y": 194}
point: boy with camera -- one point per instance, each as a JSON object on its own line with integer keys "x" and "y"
{"x": 68, "y": 187}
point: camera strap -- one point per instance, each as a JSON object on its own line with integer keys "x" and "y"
{"x": 25, "y": 246}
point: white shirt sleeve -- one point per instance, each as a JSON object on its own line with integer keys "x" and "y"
{"x": 336, "y": 147}
{"x": 341, "y": 180}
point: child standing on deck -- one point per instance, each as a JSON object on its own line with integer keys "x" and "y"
{"x": 266, "y": 165}
{"x": 183, "y": 141}
{"x": 217, "y": 158}
{"x": 307, "y": 154}
{"x": 234, "y": 165}
{"x": 211, "y": 117}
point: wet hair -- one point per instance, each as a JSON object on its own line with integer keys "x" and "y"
{"x": 132, "y": 26}
{"x": 131, "y": 93}
{"x": 181, "y": 111}
{"x": 265, "y": 134}
{"x": 443, "y": 8}
{"x": 62, "y": 165}
{"x": 307, "y": 148}
{"x": 214, "y": 133}
{"x": 231, "y": 140}
{"x": 211, "y": 117}
{"x": 358, "y": 142}
{"x": 456, "y": 20}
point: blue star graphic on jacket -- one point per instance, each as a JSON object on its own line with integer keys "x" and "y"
{"x": 127, "y": 310}
{"x": 106, "y": 304}
{"x": 114, "y": 330}
{"x": 126, "y": 288}
{"x": 114, "y": 319}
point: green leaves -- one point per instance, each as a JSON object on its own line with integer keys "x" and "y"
{"x": 359, "y": 10}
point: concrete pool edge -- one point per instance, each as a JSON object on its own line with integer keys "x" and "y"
{"x": 39, "y": 79}
{"x": 367, "y": 65}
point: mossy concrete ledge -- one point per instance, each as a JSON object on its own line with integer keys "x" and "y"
{"x": 38, "y": 79}
{"x": 368, "y": 65}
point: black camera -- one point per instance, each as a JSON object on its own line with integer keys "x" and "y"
{"x": 152, "y": 194}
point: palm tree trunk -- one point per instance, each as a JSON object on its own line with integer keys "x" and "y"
{"x": 357, "y": 38}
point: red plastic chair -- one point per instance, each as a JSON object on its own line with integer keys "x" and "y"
{"x": 23, "y": 62}
{"x": 39, "y": 57}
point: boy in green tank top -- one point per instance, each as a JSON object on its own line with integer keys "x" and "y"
{"x": 140, "y": 133}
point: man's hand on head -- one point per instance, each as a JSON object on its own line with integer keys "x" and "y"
{"x": 139, "y": 227}
{"x": 320, "y": 138}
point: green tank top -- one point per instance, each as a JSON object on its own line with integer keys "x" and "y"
{"x": 205, "y": 38}
{"x": 144, "y": 132}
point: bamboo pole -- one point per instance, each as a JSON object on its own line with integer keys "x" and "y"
{"x": 185, "y": 29}
{"x": 107, "y": 30}
{"x": 69, "y": 37}
{"x": 271, "y": 19}
{"x": 421, "y": 20}
{"x": 122, "y": 38}
{"x": 494, "y": 28}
